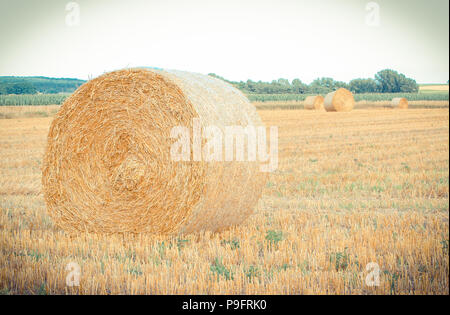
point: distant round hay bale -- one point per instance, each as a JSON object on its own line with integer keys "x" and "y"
{"x": 400, "y": 102}
{"x": 341, "y": 100}
{"x": 314, "y": 102}
{"x": 107, "y": 166}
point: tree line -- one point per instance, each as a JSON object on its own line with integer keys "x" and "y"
{"x": 34, "y": 85}
{"x": 385, "y": 81}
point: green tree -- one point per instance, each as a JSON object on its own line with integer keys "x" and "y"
{"x": 326, "y": 85}
{"x": 340, "y": 84}
{"x": 217, "y": 77}
{"x": 298, "y": 87}
{"x": 391, "y": 81}
{"x": 363, "y": 86}
{"x": 20, "y": 88}
{"x": 251, "y": 86}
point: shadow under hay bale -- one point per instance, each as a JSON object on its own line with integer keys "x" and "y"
{"x": 107, "y": 166}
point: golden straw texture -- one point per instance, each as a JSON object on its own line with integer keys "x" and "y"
{"x": 400, "y": 102}
{"x": 107, "y": 166}
{"x": 314, "y": 102}
{"x": 341, "y": 100}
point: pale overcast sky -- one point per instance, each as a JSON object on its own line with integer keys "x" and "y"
{"x": 239, "y": 40}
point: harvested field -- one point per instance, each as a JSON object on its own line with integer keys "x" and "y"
{"x": 352, "y": 188}
{"x": 432, "y": 88}
{"x": 290, "y": 105}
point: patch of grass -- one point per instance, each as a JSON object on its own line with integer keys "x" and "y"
{"x": 42, "y": 289}
{"x": 377, "y": 189}
{"x": 234, "y": 243}
{"x": 444, "y": 244}
{"x": 181, "y": 243}
{"x": 304, "y": 267}
{"x": 219, "y": 269}
{"x": 393, "y": 279}
{"x": 34, "y": 255}
{"x": 347, "y": 206}
{"x": 161, "y": 249}
{"x": 274, "y": 237}
{"x": 252, "y": 272}
{"x": 422, "y": 269}
{"x": 135, "y": 270}
{"x": 283, "y": 267}
{"x": 131, "y": 255}
{"x": 340, "y": 260}
{"x": 4, "y": 291}
{"x": 406, "y": 167}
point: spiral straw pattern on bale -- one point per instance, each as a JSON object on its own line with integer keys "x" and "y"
{"x": 314, "y": 102}
{"x": 341, "y": 100}
{"x": 400, "y": 102}
{"x": 107, "y": 166}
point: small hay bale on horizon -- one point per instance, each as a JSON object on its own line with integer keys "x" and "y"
{"x": 341, "y": 100}
{"x": 400, "y": 102}
{"x": 108, "y": 167}
{"x": 315, "y": 102}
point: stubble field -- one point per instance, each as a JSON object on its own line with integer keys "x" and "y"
{"x": 353, "y": 190}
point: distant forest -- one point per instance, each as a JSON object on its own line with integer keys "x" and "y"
{"x": 35, "y": 85}
{"x": 385, "y": 81}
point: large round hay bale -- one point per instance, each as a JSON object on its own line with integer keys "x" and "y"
{"x": 341, "y": 100}
{"x": 314, "y": 102}
{"x": 108, "y": 168}
{"x": 400, "y": 102}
